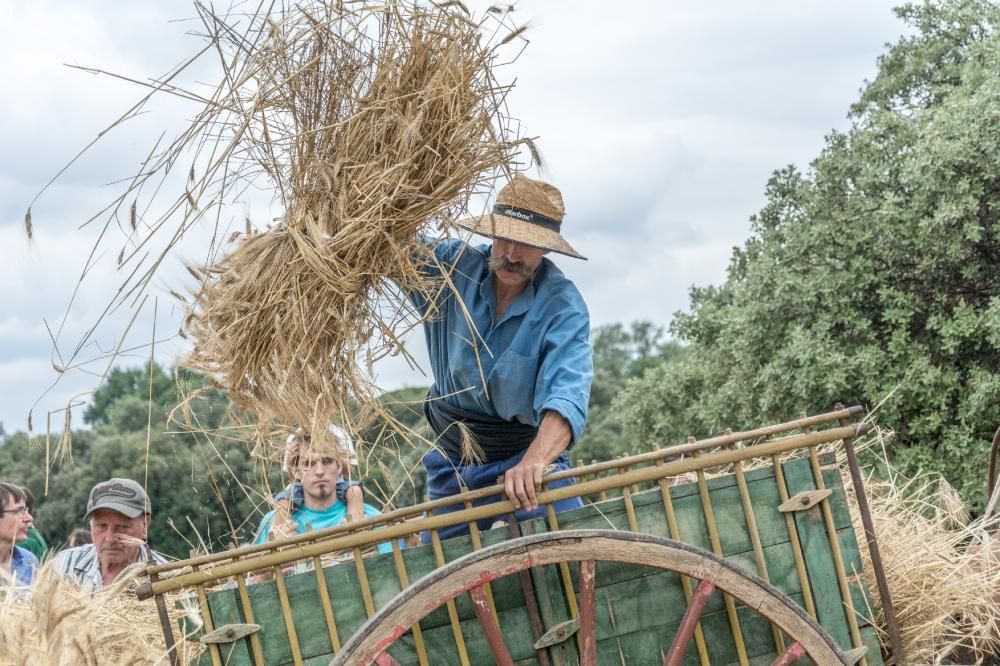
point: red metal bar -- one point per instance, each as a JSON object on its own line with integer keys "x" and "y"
{"x": 991, "y": 482}
{"x": 490, "y": 626}
{"x": 794, "y": 652}
{"x": 679, "y": 646}
{"x": 587, "y": 635}
{"x": 858, "y": 481}
{"x": 528, "y": 589}
{"x": 161, "y": 610}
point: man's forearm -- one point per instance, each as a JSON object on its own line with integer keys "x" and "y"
{"x": 523, "y": 479}
{"x": 554, "y": 436}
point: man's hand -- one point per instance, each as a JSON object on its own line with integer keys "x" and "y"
{"x": 355, "y": 501}
{"x": 282, "y": 525}
{"x": 522, "y": 482}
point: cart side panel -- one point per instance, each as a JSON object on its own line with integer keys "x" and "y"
{"x": 643, "y": 628}
{"x": 633, "y": 602}
{"x": 648, "y": 645}
{"x": 816, "y": 547}
{"x": 347, "y": 600}
{"x": 637, "y": 608}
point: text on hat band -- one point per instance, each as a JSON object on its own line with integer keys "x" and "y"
{"x": 528, "y": 216}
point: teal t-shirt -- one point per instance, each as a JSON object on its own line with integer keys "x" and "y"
{"x": 310, "y": 520}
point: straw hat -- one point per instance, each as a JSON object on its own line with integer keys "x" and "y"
{"x": 529, "y": 212}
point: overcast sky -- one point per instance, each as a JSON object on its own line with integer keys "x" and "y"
{"x": 661, "y": 124}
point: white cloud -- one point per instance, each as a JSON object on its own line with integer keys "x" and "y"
{"x": 661, "y": 122}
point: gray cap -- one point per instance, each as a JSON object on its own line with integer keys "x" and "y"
{"x": 122, "y": 495}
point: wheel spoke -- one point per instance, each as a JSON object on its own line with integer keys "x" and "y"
{"x": 588, "y": 615}
{"x": 490, "y": 626}
{"x": 791, "y": 655}
{"x": 679, "y": 646}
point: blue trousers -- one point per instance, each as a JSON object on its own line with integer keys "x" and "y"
{"x": 443, "y": 480}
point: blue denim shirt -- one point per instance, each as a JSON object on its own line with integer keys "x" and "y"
{"x": 22, "y": 566}
{"x": 536, "y": 358}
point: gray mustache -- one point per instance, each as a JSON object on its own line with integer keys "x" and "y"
{"x": 501, "y": 263}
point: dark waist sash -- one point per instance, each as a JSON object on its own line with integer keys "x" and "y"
{"x": 498, "y": 438}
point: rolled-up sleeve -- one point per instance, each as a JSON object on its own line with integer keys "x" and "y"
{"x": 567, "y": 368}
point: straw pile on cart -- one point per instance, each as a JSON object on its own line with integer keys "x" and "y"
{"x": 943, "y": 570}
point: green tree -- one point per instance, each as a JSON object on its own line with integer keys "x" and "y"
{"x": 873, "y": 277}
{"x": 392, "y": 470}
{"x": 202, "y": 485}
{"x": 132, "y": 383}
{"x": 620, "y": 354}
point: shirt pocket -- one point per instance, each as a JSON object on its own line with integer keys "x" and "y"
{"x": 463, "y": 367}
{"x": 512, "y": 387}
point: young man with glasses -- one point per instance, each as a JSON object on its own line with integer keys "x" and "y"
{"x": 17, "y": 565}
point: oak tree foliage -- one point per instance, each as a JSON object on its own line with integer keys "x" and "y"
{"x": 873, "y": 277}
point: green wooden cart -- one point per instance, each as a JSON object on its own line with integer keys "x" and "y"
{"x": 736, "y": 549}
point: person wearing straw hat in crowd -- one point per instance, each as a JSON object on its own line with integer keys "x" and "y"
{"x": 119, "y": 512}
{"x": 510, "y": 354}
{"x": 17, "y": 565}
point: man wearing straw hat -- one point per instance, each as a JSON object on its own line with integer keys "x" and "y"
{"x": 510, "y": 352}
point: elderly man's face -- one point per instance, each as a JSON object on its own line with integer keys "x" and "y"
{"x": 513, "y": 264}
{"x": 114, "y": 536}
{"x": 14, "y": 522}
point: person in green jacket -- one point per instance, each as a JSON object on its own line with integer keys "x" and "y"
{"x": 35, "y": 543}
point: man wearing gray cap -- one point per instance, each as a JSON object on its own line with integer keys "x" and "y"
{"x": 119, "y": 513}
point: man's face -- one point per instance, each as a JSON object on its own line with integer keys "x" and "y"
{"x": 14, "y": 522}
{"x": 513, "y": 264}
{"x": 113, "y": 535}
{"x": 317, "y": 470}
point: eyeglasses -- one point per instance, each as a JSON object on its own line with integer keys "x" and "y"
{"x": 18, "y": 511}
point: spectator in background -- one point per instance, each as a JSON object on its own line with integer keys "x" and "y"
{"x": 119, "y": 513}
{"x": 349, "y": 489}
{"x": 321, "y": 497}
{"x": 79, "y": 537}
{"x": 17, "y": 565}
{"x": 35, "y": 543}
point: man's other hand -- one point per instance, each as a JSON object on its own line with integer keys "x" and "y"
{"x": 522, "y": 482}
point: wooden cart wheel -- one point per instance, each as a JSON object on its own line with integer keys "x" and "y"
{"x": 471, "y": 572}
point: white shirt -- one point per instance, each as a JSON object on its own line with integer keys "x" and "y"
{"x": 83, "y": 566}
